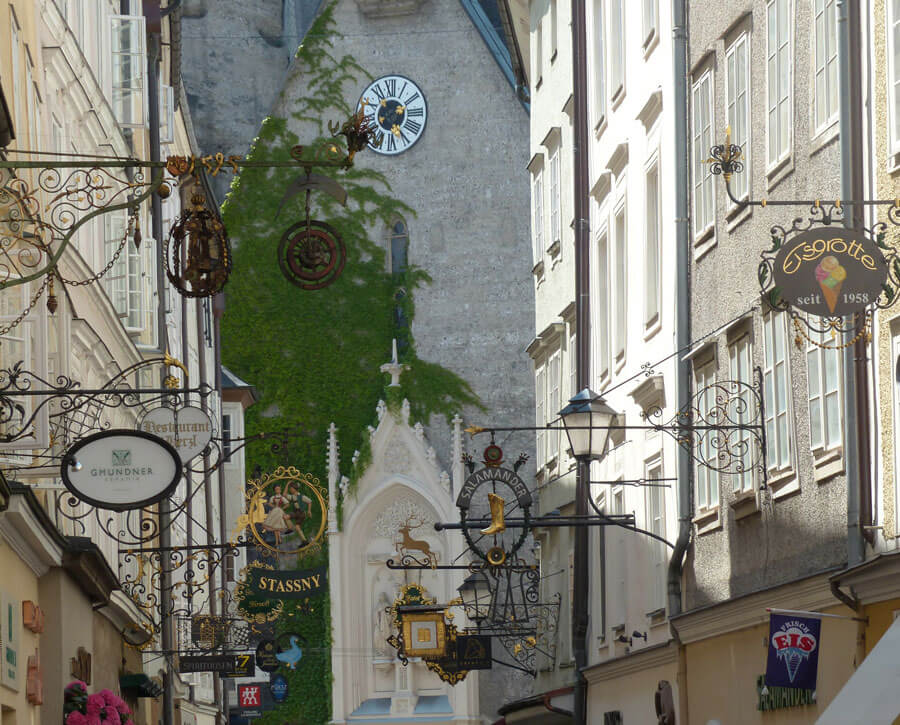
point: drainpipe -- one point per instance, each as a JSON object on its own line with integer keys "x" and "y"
{"x": 581, "y": 588}
{"x": 855, "y": 378}
{"x": 218, "y": 307}
{"x": 153, "y": 60}
{"x": 682, "y": 284}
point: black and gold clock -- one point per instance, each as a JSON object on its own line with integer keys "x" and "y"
{"x": 396, "y": 109}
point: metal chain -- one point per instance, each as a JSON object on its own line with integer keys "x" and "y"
{"x": 109, "y": 265}
{"x": 5, "y": 330}
{"x": 801, "y": 333}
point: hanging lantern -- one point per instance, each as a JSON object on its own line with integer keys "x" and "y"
{"x": 198, "y": 256}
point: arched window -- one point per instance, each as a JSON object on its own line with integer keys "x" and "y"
{"x": 399, "y": 245}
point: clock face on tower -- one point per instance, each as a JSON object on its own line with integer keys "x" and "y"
{"x": 396, "y": 108}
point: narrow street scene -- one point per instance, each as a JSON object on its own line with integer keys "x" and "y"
{"x": 449, "y": 362}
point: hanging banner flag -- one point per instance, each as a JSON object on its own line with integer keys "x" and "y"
{"x": 793, "y": 652}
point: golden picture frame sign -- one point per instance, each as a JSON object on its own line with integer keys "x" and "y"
{"x": 424, "y": 634}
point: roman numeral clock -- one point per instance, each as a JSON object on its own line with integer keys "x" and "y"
{"x": 396, "y": 108}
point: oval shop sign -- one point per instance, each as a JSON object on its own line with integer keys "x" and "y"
{"x": 121, "y": 469}
{"x": 188, "y": 430}
{"x": 830, "y": 271}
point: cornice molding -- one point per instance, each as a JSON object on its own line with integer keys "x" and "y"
{"x": 651, "y": 110}
{"x": 637, "y": 661}
{"x": 28, "y": 538}
{"x": 811, "y": 594}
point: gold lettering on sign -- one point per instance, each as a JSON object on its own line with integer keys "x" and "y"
{"x": 816, "y": 248}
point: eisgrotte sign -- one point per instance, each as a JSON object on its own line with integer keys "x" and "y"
{"x": 121, "y": 469}
{"x": 830, "y": 271}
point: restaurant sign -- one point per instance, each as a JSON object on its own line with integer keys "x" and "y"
{"x": 188, "y": 430}
{"x": 829, "y": 271}
{"x": 121, "y": 469}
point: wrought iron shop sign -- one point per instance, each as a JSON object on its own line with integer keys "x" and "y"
{"x": 121, "y": 469}
{"x": 242, "y": 665}
{"x": 829, "y": 271}
{"x": 473, "y": 652}
{"x": 291, "y": 584}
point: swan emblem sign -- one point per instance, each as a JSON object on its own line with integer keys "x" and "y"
{"x": 291, "y": 655}
{"x": 793, "y": 652}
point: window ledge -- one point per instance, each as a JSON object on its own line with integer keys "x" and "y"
{"x": 783, "y": 483}
{"x": 553, "y": 56}
{"x": 657, "y": 616}
{"x": 745, "y": 504}
{"x": 707, "y": 521}
{"x": 553, "y": 250}
{"x": 539, "y": 83}
{"x": 551, "y": 462}
{"x": 652, "y": 326}
{"x": 825, "y": 137}
{"x": 737, "y": 215}
{"x": 618, "y": 628}
{"x": 567, "y": 665}
{"x": 620, "y": 363}
{"x": 779, "y": 172}
{"x": 600, "y": 127}
{"x": 650, "y": 42}
{"x": 617, "y": 97}
{"x": 827, "y": 464}
{"x": 704, "y": 242}
{"x": 538, "y": 269}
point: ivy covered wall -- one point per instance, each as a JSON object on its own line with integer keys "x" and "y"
{"x": 314, "y": 356}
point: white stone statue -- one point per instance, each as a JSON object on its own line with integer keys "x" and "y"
{"x": 382, "y": 628}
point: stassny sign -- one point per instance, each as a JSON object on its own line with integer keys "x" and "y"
{"x": 299, "y": 584}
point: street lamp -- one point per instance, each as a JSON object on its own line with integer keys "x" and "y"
{"x": 476, "y": 595}
{"x": 587, "y": 419}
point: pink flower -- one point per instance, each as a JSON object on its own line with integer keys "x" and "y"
{"x": 112, "y": 717}
{"x": 123, "y": 708}
{"x": 76, "y": 718}
{"x": 79, "y": 683}
{"x": 109, "y": 697}
{"x": 95, "y": 705}
{"x": 93, "y": 720}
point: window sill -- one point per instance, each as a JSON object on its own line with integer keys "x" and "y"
{"x": 657, "y": 616}
{"x": 539, "y": 83}
{"x": 737, "y": 215}
{"x": 704, "y": 242}
{"x": 779, "y": 172}
{"x": 745, "y": 504}
{"x": 567, "y": 665}
{"x": 600, "y": 127}
{"x": 616, "y": 100}
{"x": 825, "y": 137}
{"x": 652, "y": 326}
{"x": 553, "y": 56}
{"x": 783, "y": 483}
{"x": 620, "y": 362}
{"x": 538, "y": 269}
{"x": 827, "y": 464}
{"x": 553, "y": 250}
{"x": 551, "y": 463}
{"x": 650, "y": 42}
{"x": 707, "y": 521}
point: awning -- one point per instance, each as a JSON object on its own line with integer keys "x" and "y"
{"x": 871, "y": 695}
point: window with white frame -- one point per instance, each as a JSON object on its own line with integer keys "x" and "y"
{"x": 740, "y": 363}
{"x": 603, "y": 307}
{"x": 554, "y": 197}
{"x": 620, "y": 295}
{"x": 702, "y": 138}
{"x": 34, "y": 118}
{"x": 650, "y": 17}
{"x": 554, "y": 373}
{"x": 227, "y": 435}
{"x": 825, "y": 62}
{"x": 893, "y": 53}
{"x": 540, "y": 417}
{"x": 127, "y": 41}
{"x": 166, "y": 114}
{"x": 823, "y": 366}
{"x": 124, "y": 281}
{"x": 651, "y": 246}
{"x": 737, "y": 85}
{"x": 655, "y": 517}
{"x": 537, "y": 204}
{"x": 778, "y": 79}
{"x": 616, "y": 48}
{"x": 618, "y": 564}
{"x": 599, "y": 56}
{"x": 15, "y": 50}
{"x": 573, "y": 364}
{"x": 707, "y": 478}
{"x": 777, "y": 386}
{"x": 56, "y": 135}
{"x": 554, "y": 28}
{"x": 538, "y": 59}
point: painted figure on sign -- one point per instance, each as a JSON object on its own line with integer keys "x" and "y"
{"x": 276, "y": 519}
{"x": 300, "y": 507}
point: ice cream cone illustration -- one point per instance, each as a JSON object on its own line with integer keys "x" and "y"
{"x": 831, "y": 275}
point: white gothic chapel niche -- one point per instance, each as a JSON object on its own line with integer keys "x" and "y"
{"x": 392, "y": 511}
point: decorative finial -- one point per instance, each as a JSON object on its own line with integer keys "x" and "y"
{"x": 394, "y": 367}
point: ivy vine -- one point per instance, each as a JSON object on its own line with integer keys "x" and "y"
{"x": 314, "y": 356}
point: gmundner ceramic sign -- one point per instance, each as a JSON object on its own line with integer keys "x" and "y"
{"x": 188, "y": 430}
{"x": 121, "y": 469}
{"x": 829, "y": 271}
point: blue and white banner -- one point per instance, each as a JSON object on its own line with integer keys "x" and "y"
{"x": 793, "y": 651}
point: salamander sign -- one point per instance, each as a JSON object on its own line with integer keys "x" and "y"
{"x": 829, "y": 271}
{"x": 121, "y": 469}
